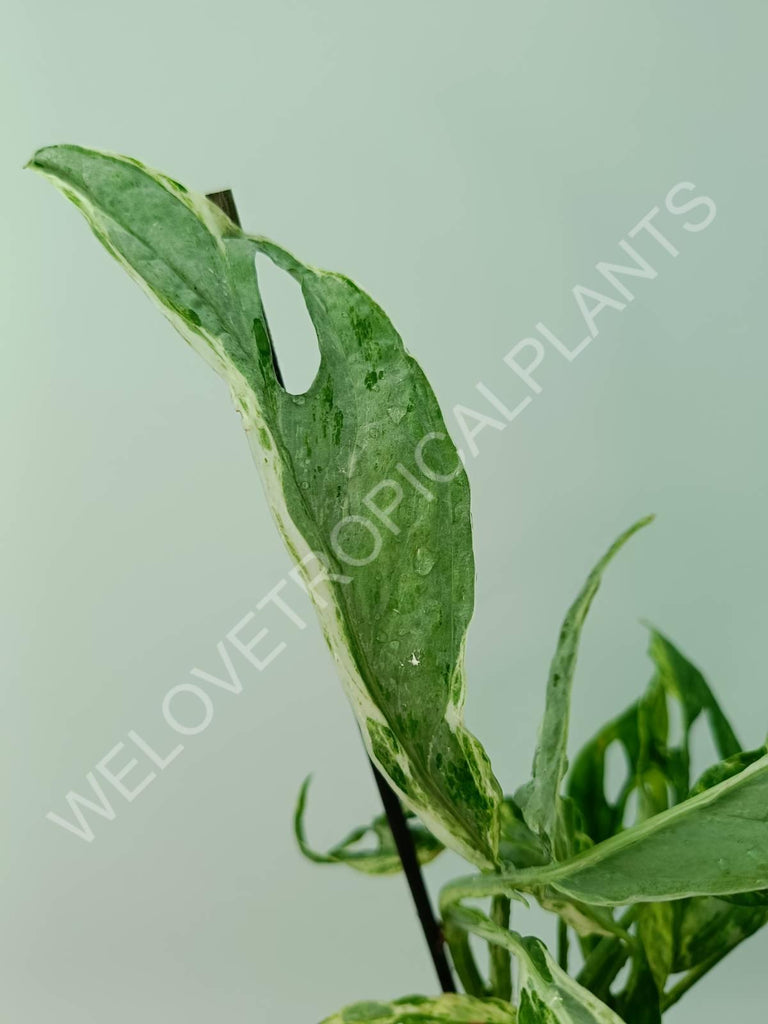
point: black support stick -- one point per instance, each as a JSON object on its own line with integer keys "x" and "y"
{"x": 412, "y": 869}
{"x": 392, "y": 806}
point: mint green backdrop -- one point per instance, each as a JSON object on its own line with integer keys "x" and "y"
{"x": 468, "y": 165}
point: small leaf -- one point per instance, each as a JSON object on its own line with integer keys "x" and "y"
{"x": 448, "y": 1009}
{"x": 656, "y": 770}
{"x": 383, "y": 859}
{"x": 682, "y": 680}
{"x": 541, "y": 798}
{"x": 587, "y": 779}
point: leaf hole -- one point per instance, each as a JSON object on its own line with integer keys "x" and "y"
{"x": 620, "y": 981}
{"x": 704, "y": 752}
{"x": 616, "y": 770}
{"x": 294, "y": 339}
{"x": 676, "y": 731}
{"x": 631, "y": 809}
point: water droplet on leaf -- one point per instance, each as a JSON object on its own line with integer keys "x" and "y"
{"x": 425, "y": 561}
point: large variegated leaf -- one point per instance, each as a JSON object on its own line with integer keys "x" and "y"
{"x": 712, "y": 844}
{"x": 363, "y": 481}
{"x": 355, "y": 850}
{"x": 547, "y": 995}
{"x": 540, "y": 799}
{"x": 449, "y": 1009}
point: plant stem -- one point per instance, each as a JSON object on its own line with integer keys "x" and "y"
{"x": 606, "y": 960}
{"x": 464, "y": 960}
{"x": 501, "y": 959}
{"x": 398, "y": 825}
{"x": 562, "y": 944}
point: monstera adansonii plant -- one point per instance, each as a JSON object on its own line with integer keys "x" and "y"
{"x": 653, "y": 887}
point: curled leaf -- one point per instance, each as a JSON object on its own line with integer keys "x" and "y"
{"x": 382, "y": 859}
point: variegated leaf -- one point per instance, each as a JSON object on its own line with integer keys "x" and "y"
{"x": 712, "y": 844}
{"x": 709, "y": 927}
{"x": 382, "y": 858}
{"x": 547, "y": 995}
{"x": 540, "y": 799}
{"x": 682, "y": 681}
{"x": 448, "y": 1009}
{"x": 362, "y": 478}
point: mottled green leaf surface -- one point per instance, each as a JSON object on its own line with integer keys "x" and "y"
{"x": 540, "y": 800}
{"x": 709, "y": 927}
{"x": 356, "y": 850}
{"x": 547, "y": 995}
{"x": 711, "y": 844}
{"x": 449, "y": 1009}
{"x": 388, "y": 560}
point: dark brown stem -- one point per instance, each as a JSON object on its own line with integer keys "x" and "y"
{"x": 392, "y": 806}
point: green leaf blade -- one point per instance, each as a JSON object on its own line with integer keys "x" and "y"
{"x": 396, "y": 623}
{"x": 547, "y": 994}
{"x": 541, "y": 798}
{"x": 713, "y": 844}
{"x": 447, "y": 1009}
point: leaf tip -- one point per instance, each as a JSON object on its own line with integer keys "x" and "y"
{"x": 37, "y": 161}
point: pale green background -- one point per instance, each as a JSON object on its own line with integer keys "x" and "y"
{"x": 468, "y": 164}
